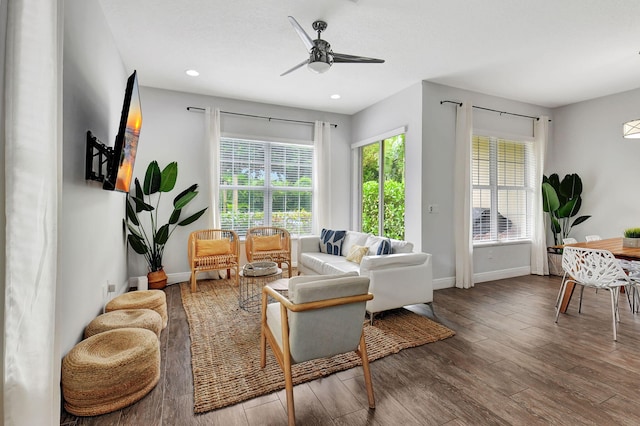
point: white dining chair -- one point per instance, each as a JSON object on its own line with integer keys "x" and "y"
{"x": 598, "y": 269}
{"x": 592, "y": 238}
{"x": 569, "y": 240}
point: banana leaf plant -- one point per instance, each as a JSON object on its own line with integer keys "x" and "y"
{"x": 562, "y": 201}
{"x": 150, "y": 241}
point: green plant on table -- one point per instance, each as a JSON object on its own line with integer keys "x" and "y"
{"x": 632, "y": 233}
{"x": 150, "y": 241}
{"x": 562, "y": 201}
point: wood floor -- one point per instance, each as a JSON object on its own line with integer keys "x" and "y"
{"x": 509, "y": 364}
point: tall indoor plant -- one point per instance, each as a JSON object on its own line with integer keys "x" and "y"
{"x": 562, "y": 201}
{"x": 150, "y": 241}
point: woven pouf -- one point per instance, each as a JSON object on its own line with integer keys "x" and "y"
{"x": 110, "y": 370}
{"x": 143, "y": 299}
{"x": 125, "y": 318}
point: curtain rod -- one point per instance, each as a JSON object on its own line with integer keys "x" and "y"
{"x": 259, "y": 116}
{"x": 494, "y": 110}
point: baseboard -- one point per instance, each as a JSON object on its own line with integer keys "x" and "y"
{"x": 442, "y": 283}
{"x": 141, "y": 283}
{"x": 501, "y": 274}
{"x": 438, "y": 283}
{"x": 480, "y": 277}
{"x": 180, "y": 277}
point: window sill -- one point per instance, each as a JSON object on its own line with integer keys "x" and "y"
{"x": 481, "y": 244}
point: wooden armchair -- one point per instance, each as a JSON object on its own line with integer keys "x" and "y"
{"x": 269, "y": 243}
{"x": 211, "y": 250}
{"x": 323, "y": 318}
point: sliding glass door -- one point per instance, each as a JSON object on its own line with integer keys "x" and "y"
{"x": 382, "y": 187}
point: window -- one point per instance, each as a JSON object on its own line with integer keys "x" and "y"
{"x": 265, "y": 184}
{"x": 503, "y": 186}
{"x": 382, "y": 179}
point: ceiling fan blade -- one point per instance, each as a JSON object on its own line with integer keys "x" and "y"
{"x": 308, "y": 42}
{"x": 301, "y": 64}
{"x": 341, "y": 57}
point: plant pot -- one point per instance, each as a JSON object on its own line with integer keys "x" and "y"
{"x": 157, "y": 279}
{"x": 631, "y": 242}
{"x": 555, "y": 264}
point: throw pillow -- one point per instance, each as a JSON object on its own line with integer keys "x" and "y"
{"x": 384, "y": 247}
{"x": 331, "y": 241}
{"x": 357, "y": 253}
{"x": 353, "y": 238}
{"x": 264, "y": 242}
{"x": 213, "y": 247}
{"x": 378, "y": 245}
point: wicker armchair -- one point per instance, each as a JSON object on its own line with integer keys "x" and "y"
{"x": 269, "y": 243}
{"x": 211, "y": 250}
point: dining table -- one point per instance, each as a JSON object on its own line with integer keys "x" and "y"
{"x": 614, "y": 245}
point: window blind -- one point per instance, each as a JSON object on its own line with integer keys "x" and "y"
{"x": 265, "y": 184}
{"x": 503, "y": 185}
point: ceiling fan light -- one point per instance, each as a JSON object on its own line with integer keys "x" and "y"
{"x": 631, "y": 129}
{"x": 319, "y": 67}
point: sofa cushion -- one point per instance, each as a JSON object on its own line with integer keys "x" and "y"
{"x": 339, "y": 267}
{"x": 331, "y": 241}
{"x": 378, "y": 245}
{"x": 353, "y": 238}
{"x": 356, "y": 253}
{"x": 315, "y": 260}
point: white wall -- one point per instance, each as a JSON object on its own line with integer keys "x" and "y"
{"x": 588, "y": 141}
{"x": 490, "y": 262}
{"x": 430, "y": 147}
{"x": 91, "y": 237}
{"x": 402, "y": 109}
{"x": 171, "y": 133}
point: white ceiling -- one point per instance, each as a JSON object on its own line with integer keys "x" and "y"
{"x": 544, "y": 52}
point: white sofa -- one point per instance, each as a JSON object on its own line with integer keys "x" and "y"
{"x": 397, "y": 279}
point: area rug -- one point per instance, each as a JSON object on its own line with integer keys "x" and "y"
{"x": 225, "y": 346}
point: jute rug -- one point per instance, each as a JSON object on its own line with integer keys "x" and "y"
{"x": 225, "y": 346}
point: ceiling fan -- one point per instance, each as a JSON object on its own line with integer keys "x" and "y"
{"x": 321, "y": 57}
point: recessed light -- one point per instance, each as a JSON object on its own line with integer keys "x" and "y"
{"x": 336, "y": 96}
{"x": 192, "y": 73}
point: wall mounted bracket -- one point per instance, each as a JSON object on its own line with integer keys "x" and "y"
{"x": 98, "y": 154}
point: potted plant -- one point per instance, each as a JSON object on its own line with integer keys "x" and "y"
{"x": 150, "y": 241}
{"x": 561, "y": 200}
{"x": 631, "y": 237}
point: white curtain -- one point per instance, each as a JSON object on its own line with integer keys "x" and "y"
{"x": 462, "y": 197}
{"x": 212, "y": 142}
{"x": 212, "y": 122}
{"x": 32, "y": 189}
{"x": 539, "y": 264}
{"x": 321, "y": 176}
